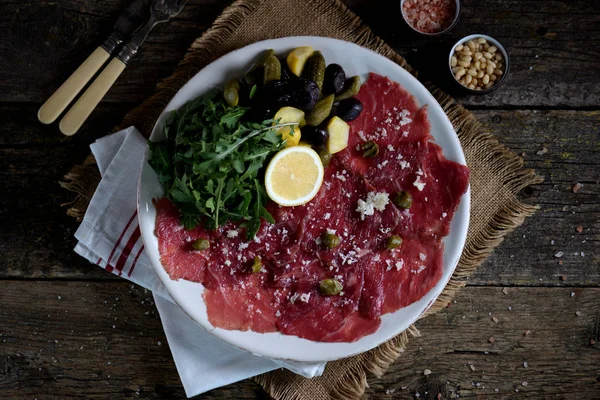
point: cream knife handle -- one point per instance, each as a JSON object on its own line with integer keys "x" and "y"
{"x": 65, "y": 94}
{"x": 82, "y": 109}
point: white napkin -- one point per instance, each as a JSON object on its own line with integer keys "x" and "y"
{"x": 110, "y": 237}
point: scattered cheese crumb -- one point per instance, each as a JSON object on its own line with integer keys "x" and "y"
{"x": 305, "y": 297}
{"x": 327, "y": 216}
{"x": 374, "y": 201}
{"x": 422, "y": 256}
{"x": 243, "y": 246}
{"x": 294, "y": 298}
{"x": 390, "y": 147}
{"x": 427, "y": 372}
{"x": 419, "y": 184}
{"x": 232, "y": 233}
{"x": 331, "y": 231}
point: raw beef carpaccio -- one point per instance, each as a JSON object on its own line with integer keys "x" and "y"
{"x": 284, "y": 296}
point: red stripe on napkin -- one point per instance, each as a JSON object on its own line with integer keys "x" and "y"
{"x": 127, "y": 250}
{"x": 109, "y": 267}
{"x": 139, "y": 253}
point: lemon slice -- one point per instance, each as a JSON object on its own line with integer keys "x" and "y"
{"x": 294, "y": 176}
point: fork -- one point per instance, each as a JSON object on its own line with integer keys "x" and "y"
{"x": 161, "y": 11}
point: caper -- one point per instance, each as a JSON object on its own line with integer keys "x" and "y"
{"x": 231, "y": 92}
{"x": 256, "y": 265}
{"x": 403, "y": 199}
{"x": 325, "y": 157}
{"x": 330, "y": 287}
{"x": 393, "y": 242}
{"x": 369, "y": 149}
{"x": 201, "y": 244}
{"x": 330, "y": 240}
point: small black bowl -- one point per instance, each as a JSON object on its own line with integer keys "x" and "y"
{"x": 448, "y": 29}
{"x": 491, "y": 41}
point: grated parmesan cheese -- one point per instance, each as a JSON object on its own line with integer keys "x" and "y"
{"x": 305, "y": 297}
{"x": 422, "y": 256}
{"x": 374, "y": 201}
{"x": 419, "y": 184}
{"x": 327, "y": 216}
{"x": 232, "y": 233}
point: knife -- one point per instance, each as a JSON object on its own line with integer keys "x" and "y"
{"x": 128, "y": 22}
{"x": 160, "y": 11}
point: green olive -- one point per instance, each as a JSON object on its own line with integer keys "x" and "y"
{"x": 351, "y": 88}
{"x": 330, "y": 287}
{"x": 231, "y": 92}
{"x": 369, "y": 149}
{"x": 325, "y": 157}
{"x": 256, "y": 265}
{"x": 331, "y": 240}
{"x": 393, "y": 242}
{"x": 201, "y": 244}
{"x": 403, "y": 200}
{"x": 272, "y": 70}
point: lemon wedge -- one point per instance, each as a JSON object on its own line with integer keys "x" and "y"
{"x": 297, "y": 58}
{"x": 294, "y": 176}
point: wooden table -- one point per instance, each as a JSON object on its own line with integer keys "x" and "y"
{"x": 71, "y": 330}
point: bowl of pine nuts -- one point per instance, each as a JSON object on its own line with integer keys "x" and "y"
{"x": 478, "y": 63}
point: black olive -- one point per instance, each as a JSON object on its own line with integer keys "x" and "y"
{"x": 260, "y": 113}
{"x": 275, "y": 94}
{"x": 286, "y": 74}
{"x": 305, "y": 94}
{"x": 349, "y": 109}
{"x": 335, "y": 79}
{"x": 314, "y": 135}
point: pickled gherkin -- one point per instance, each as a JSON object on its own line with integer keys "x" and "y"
{"x": 351, "y": 88}
{"x": 232, "y": 92}
{"x": 320, "y": 112}
{"x": 272, "y": 70}
{"x": 314, "y": 69}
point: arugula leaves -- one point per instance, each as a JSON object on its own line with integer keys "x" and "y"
{"x": 210, "y": 161}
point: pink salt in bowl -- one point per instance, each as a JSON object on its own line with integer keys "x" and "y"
{"x": 430, "y": 18}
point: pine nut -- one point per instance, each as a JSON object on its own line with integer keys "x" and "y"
{"x": 453, "y": 61}
{"x": 490, "y": 69}
{"x": 486, "y": 79}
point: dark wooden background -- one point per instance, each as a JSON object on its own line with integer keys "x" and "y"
{"x": 57, "y": 311}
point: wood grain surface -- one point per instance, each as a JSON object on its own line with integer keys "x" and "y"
{"x": 70, "y": 330}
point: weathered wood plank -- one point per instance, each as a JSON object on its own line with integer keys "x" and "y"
{"x": 40, "y": 241}
{"x": 553, "y": 47}
{"x": 101, "y": 340}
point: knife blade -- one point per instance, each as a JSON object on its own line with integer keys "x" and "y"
{"x": 130, "y": 20}
{"x": 160, "y": 11}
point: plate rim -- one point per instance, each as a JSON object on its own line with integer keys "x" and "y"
{"x": 464, "y": 203}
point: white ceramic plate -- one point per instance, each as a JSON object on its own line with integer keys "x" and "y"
{"x": 356, "y": 61}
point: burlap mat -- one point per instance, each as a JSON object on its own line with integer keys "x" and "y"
{"x": 496, "y": 173}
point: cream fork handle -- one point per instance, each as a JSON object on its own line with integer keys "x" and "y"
{"x": 82, "y": 109}
{"x": 65, "y": 94}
